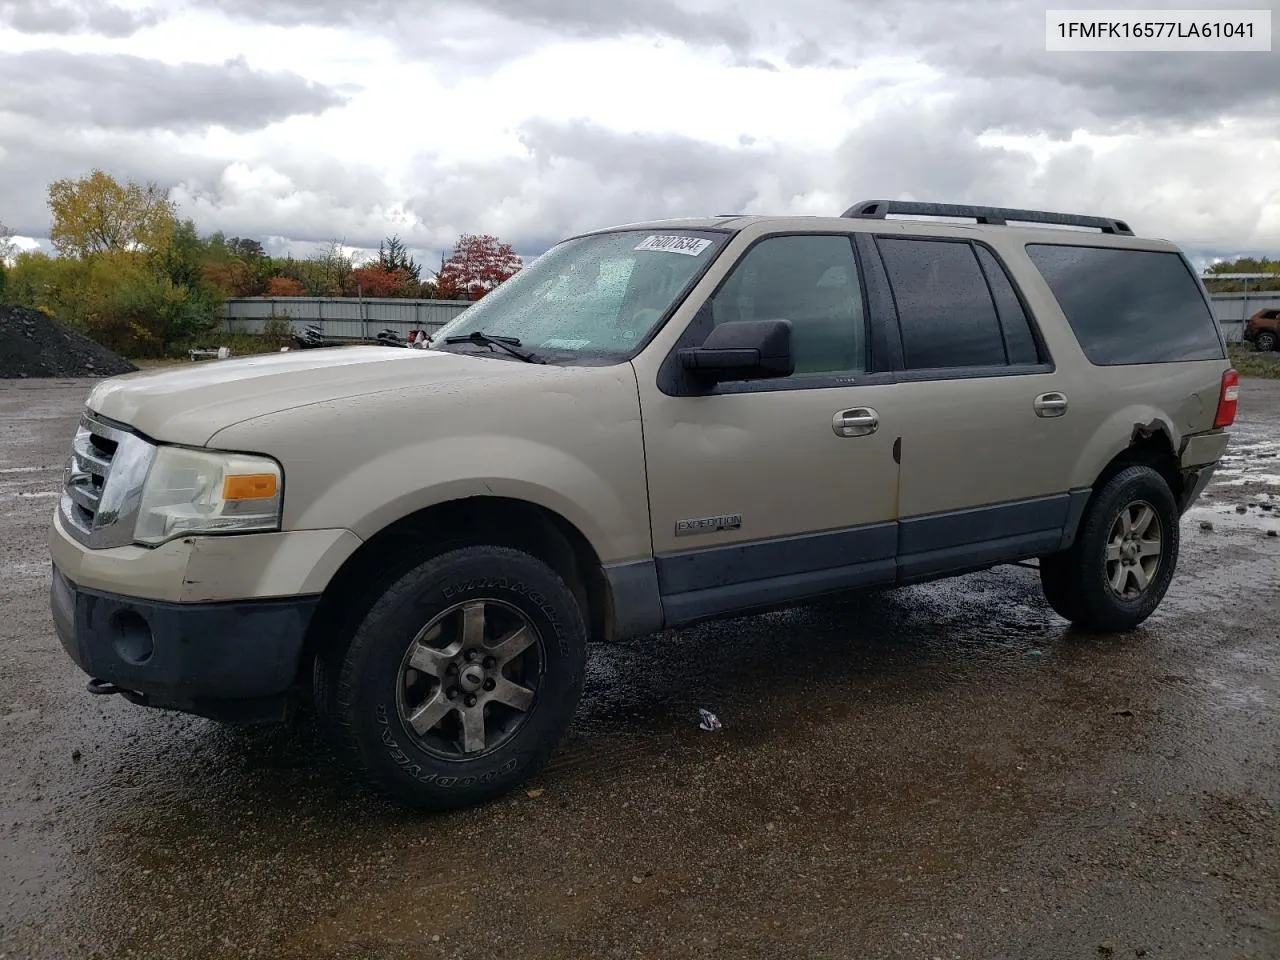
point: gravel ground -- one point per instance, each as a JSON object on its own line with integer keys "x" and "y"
{"x": 33, "y": 345}
{"x": 943, "y": 771}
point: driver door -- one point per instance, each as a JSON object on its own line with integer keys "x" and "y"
{"x": 770, "y": 491}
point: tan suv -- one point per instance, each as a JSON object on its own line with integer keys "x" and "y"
{"x": 652, "y": 425}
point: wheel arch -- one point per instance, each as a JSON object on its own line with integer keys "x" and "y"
{"x": 1136, "y": 436}
{"x": 468, "y": 521}
{"x": 1150, "y": 443}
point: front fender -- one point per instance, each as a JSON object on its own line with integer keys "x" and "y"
{"x": 566, "y": 439}
{"x": 612, "y": 516}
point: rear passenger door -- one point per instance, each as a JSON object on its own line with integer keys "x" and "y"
{"x": 987, "y": 439}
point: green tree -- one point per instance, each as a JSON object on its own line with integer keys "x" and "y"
{"x": 41, "y": 282}
{"x": 96, "y": 214}
{"x": 8, "y": 249}
{"x": 183, "y": 258}
{"x": 246, "y": 249}
{"x": 1244, "y": 265}
{"x": 137, "y": 302}
{"x": 393, "y": 257}
{"x": 327, "y": 273}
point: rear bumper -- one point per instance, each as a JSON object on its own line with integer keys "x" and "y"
{"x": 199, "y": 658}
{"x": 1199, "y": 458}
{"x": 1193, "y": 483}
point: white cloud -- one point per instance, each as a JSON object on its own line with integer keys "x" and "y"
{"x": 535, "y": 118}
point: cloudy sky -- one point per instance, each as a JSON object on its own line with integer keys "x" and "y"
{"x": 297, "y": 121}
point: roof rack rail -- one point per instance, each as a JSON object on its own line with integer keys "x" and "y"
{"x": 999, "y": 216}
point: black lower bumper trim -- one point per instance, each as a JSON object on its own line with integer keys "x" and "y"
{"x": 205, "y": 658}
{"x": 1194, "y": 482}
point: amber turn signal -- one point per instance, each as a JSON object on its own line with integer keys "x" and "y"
{"x": 250, "y": 486}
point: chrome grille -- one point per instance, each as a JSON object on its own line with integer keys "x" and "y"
{"x": 103, "y": 482}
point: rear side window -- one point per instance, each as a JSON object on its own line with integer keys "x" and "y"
{"x": 1129, "y": 306}
{"x": 1019, "y": 341}
{"x": 944, "y": 307}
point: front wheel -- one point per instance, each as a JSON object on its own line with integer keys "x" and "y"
{"x": 1123, "y": 558}
{"x": 462, "y": 678}
{"x": 1265, "y": 341}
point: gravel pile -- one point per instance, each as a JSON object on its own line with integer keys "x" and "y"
{"x": 33, "y": 345}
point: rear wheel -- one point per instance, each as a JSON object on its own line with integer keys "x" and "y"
{"x": 1123, "y": 559}
{"x": 462, "y": 678}
{"x": 1265, "y": 341}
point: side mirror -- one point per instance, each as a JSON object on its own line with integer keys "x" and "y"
{"x": 742, "y": 350}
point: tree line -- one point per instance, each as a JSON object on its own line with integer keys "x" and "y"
{"x": 134, "y": 275}
{"x": 1244, "y": 265}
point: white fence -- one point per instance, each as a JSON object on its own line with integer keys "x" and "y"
{"x": 340, "y": 316}
{"x": 1233, "y": 309}
{"x": 352, "y": 317}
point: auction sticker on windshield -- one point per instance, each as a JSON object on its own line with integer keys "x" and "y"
{"x": 689, "y": 246}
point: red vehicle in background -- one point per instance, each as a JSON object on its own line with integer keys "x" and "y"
{"x": 1263, "y": 329}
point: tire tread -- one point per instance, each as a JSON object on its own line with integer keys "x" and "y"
{"x": 341, "y": 667}
{"x": 1072, "y": 580}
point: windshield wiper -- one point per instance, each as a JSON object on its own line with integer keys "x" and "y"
{"x": 506, "y": 343}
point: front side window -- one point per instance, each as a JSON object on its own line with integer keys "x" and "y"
{"x": 594, "y": 297}
{"x": 811, "y": 280}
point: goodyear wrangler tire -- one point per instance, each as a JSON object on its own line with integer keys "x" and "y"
{"x": 462, "y": 678}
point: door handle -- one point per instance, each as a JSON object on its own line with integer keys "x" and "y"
{"x": 1050, "y": 404}
{"x": 857, "y": 422}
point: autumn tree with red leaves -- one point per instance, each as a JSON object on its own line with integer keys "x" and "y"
{"x": 285, "y": 287}
{"x": 233, "y": 278}
{"x": 479, "y": 263}
{"x": 375, "y": 281}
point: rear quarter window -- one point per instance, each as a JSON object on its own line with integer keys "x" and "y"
{"x": 1129, "y": 306}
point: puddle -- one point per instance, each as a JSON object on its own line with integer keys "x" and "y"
{"x": 1225, "y": 517}
{"x": 1252, "y": 456}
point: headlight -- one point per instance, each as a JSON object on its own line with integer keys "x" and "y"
{"x": 201, "y": 491}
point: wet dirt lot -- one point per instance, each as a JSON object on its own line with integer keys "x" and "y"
{"x": 944, "y": 771}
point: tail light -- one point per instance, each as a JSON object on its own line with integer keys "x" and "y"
{"x": 1227, "y": 399}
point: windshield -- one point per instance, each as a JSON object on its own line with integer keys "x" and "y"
{"x": 596, "y": 296}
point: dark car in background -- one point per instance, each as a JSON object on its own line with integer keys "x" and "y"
{"x": 1263, "y": 329}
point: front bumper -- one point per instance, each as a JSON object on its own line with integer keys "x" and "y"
{"x": 213, "y": 659}
{"x": 196, "y": 569}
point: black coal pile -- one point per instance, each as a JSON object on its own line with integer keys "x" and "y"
{"x": 33, "y": 345}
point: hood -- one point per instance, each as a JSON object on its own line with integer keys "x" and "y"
{"x": 189, "y": 404}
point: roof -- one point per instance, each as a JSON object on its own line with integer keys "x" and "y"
{"x": 937, "y": 219}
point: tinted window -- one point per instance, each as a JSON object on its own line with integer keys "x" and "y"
{"x": 1129, "y": 306}
{"x": 1018, "y": 338}
{"x": 944, "y": 307}
{"x": 811, "y": 281}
